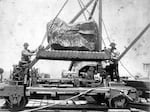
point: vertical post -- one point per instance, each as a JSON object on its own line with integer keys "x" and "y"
{"x": 100, "y": 26}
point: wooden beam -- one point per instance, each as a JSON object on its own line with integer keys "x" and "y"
{"x": 72, "y": 55}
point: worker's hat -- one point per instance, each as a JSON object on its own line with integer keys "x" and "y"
{"x": 25, "y": 44}
{"x": 113, "y": 45}
{"x": 1, "y": 70}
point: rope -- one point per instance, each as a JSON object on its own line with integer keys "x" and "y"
{"x": 53, "y": 22}
{"x": 35, "y": 59}
{"x": 103, "y": 24}
{"x": 106, "y": 31}
{"x": 104, "y": 42}
{"x": 108, "y": 37}
{"x": 50, "y": 105}
{"x": 127, "y": 70}
{"x": 93, "y": 19}
{"x": 82, "y": 8}
{"x": 93, "y": 9}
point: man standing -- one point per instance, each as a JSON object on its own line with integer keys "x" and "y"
{"x": 113, "y": 64}
{"x": 26, "y": 53}
{"x": 112, "y": 50}
{"x": 101, "y": 74}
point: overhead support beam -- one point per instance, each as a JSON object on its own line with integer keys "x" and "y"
{"x": 92, "y": 12}
{"x": 134, "y": 41}
{"x": 81, "y": 11}
{"x": 80, "y": 4}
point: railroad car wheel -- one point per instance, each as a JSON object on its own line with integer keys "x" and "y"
{"x": 119, "y": 101}
{"x": 99, "y": 98}
{"x": 14, "y": 105}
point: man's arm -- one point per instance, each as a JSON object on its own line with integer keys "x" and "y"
{"x": 115, "y": 54}
{"x": 27, "y": 53}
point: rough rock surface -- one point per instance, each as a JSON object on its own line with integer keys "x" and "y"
{"x": 80, "y": 36}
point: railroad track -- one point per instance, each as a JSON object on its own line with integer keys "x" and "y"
{"x": 83, "y": 110}
{"x": 79, "y": 107}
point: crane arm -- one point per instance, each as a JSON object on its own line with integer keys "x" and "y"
{"x": 134, "y": 41}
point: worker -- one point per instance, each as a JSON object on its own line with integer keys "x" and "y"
{"x": 101, "y": 74}
{"x": 112, "y": 51}
{"x": 90, "y": 73}
{"x": 26, "y": 53}
{"x": 88, "y": 76}
{"x": 113, "y": 63}
{"x": 1, "y": 74}
{"x": 98, "y": 74}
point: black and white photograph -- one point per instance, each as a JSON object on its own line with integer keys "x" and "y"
{"x": 74, "y": 55}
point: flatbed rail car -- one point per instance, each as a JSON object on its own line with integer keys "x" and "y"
{"x": 142, "y": 86}
{"x": 117, "y": 96}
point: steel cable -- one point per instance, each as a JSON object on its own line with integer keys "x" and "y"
{"x": 108, "y": 37}
{"x": 53, "y": 22}
{"x": 79, "y": 2}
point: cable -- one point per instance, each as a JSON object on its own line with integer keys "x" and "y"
{"x": 104, "y": 42}
{"x": 71, "y": 98}
{"x": 93, "y": 19}
{"x": 103, "y": 24}
{"x": 106, "y": 31}
{"x": 110, "y": 42}
{"x": 53, "y": 22}
{"x": 35, "y": 59}
{"x": 82, "y": 8}
{"x": 127, "y": 70}
{"x": 93, "y": 9}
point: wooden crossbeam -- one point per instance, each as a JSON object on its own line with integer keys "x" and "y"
{"x": 72, "y": 55}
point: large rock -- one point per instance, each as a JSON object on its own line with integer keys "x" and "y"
{"x": 63, "y": 36}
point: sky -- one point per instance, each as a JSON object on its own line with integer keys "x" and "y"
{"x": 25, "y": 21}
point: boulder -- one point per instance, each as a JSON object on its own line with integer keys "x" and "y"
{"x": 80, "y": 36}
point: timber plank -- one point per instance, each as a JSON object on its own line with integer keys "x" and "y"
{"x": 72, "y": 55}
